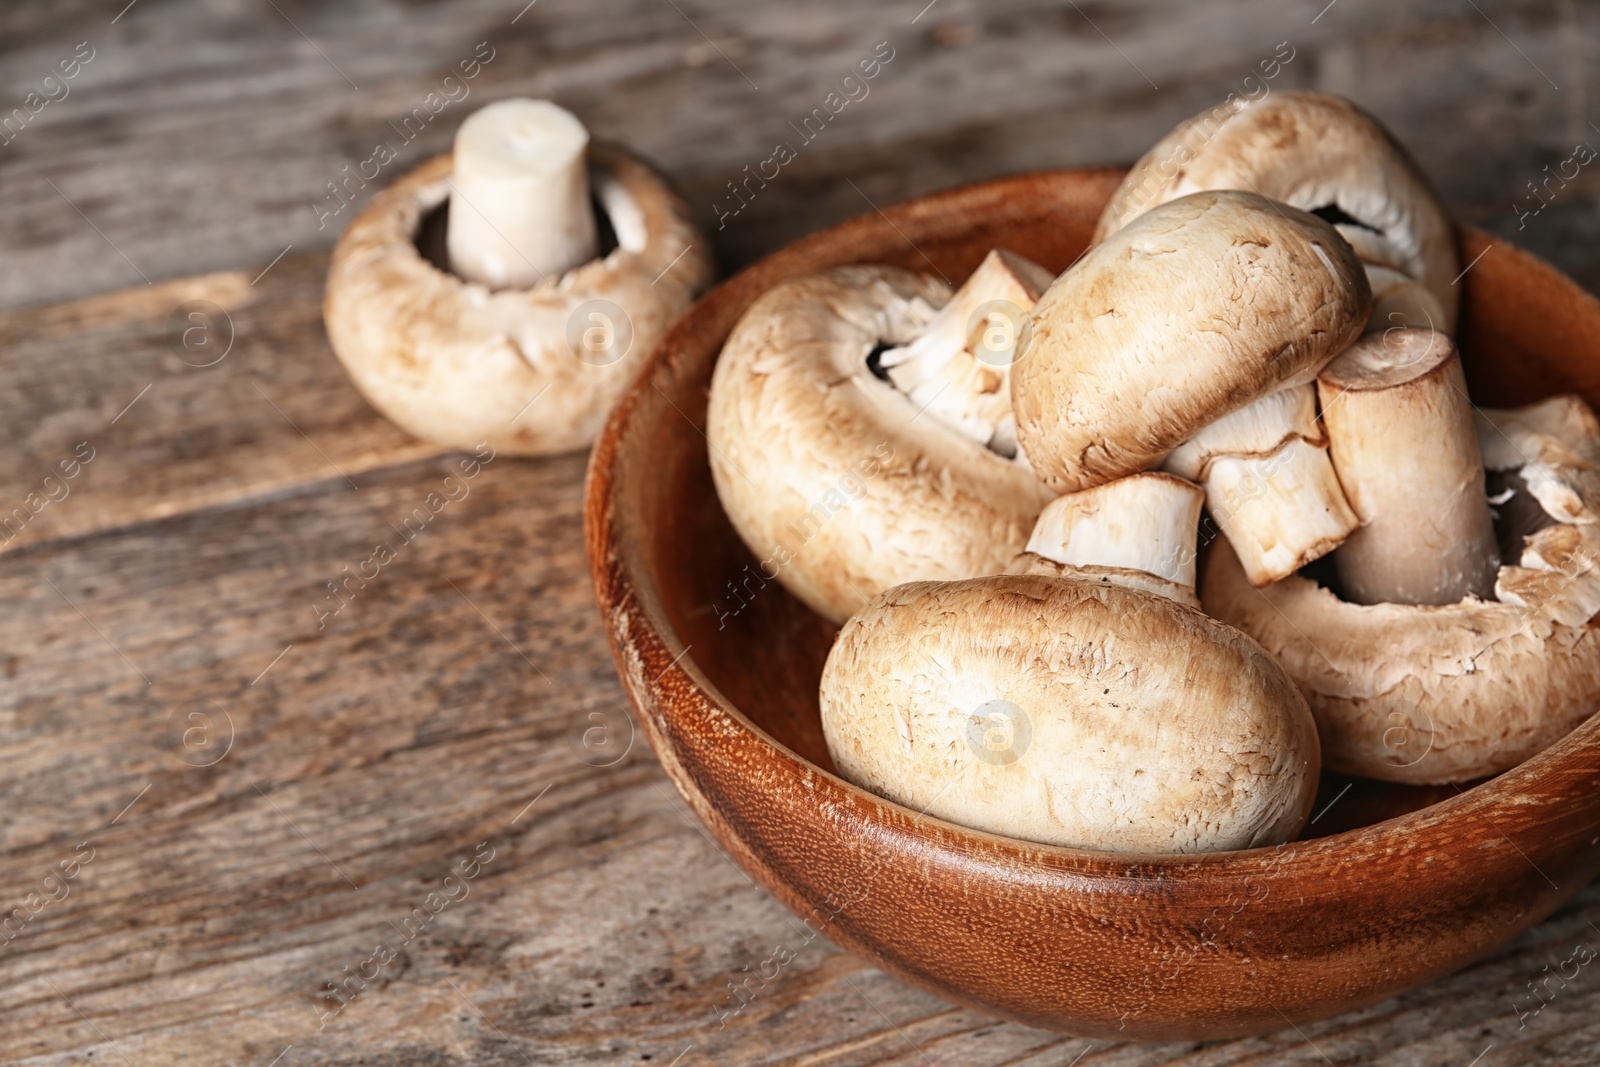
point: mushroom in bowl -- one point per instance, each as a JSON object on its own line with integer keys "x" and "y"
{"x": 1099, "y": 944}
{"x": 1321, "y": 154}
{"x": 860, "y": 433}
{"x": 1205, "y": 308}
{"x": 524, "y": 335}
{"x": 1082, "y": 700}
{"x": 1423, "y": 657}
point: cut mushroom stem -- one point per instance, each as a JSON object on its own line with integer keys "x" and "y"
{"x": 1269, "y": 483}
{"x": 519, "y": 195}
{"x": 1399, "y": 300}
{"x": 1137, "y": 532}
{"x": 958, "y": 369}
{"x": 1402, "y": 436}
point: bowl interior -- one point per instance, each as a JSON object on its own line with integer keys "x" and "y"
{"x": 763, "y": 650}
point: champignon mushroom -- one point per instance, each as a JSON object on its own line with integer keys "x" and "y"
{"x": 1191, "y": 312}
{"x": 1398, "y": 301}
{"x": 1322, "y": 154}
{"x": 1450, "y": 693}
{"x": 1404, "y": 444}
{"x": 833, "y": 476}
{"x": 1070, "y": 705}
{"x": 454, "y": 358}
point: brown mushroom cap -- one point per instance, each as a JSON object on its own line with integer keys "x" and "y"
{"x": 832, "y": 476}
{"x": 1194, "y": 310}
{"x": 451, "y": 361}
{"x": 1451, "y": 693}
{"x": 1314, "y": 151}
{"x": 1071, "y": 713}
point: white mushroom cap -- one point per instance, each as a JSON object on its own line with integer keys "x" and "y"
{"x": 1456, "y": 692}
{"x": 532, "y": 371}
{"x": 1070, "y": 713}
{"x": 1313, "y": 151}
{"x": 831, "y": 475}
{"x": 1194, "y": 310}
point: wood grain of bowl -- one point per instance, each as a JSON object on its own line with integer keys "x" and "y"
{"x": 1101, "y": 945}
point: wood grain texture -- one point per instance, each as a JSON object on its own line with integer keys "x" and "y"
{"x": 203, "y": 131}
{"x": 178, "y": 413}
{"x": 607, "y": 928}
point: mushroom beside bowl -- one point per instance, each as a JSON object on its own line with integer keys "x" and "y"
{"x": 723, "y": 666}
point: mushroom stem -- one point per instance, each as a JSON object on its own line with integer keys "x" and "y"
{"x": 1137, "y": 531}
{"x": 1399, "y": 300}
{"x": 1269, "y": 483}
{"x": 519, "y": 195}
{"x": 959, "y": 368}
{"x": 1402, "y": 435}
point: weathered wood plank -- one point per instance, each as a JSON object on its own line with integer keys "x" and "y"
{"x": 378, "y": 751}
{"x": 175, "y": 413}
{"x": 200, "y": 135}
{"x": 184, "y": 571}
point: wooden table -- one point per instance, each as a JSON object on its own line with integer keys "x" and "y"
{"x": 252, "y": 795}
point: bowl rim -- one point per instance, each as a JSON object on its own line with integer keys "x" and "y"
{"x": 627, "y": 592}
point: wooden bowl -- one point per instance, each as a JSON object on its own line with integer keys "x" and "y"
{"x": 1096, "y": 944}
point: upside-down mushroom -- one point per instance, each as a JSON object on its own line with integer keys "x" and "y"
{"x": 528, "y": 339}
{"x": 1074, "y": 703}
{"x": 1324, "y": 155}
{"x": 844, "y": 484}
{"x": 1433, "y": 693}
